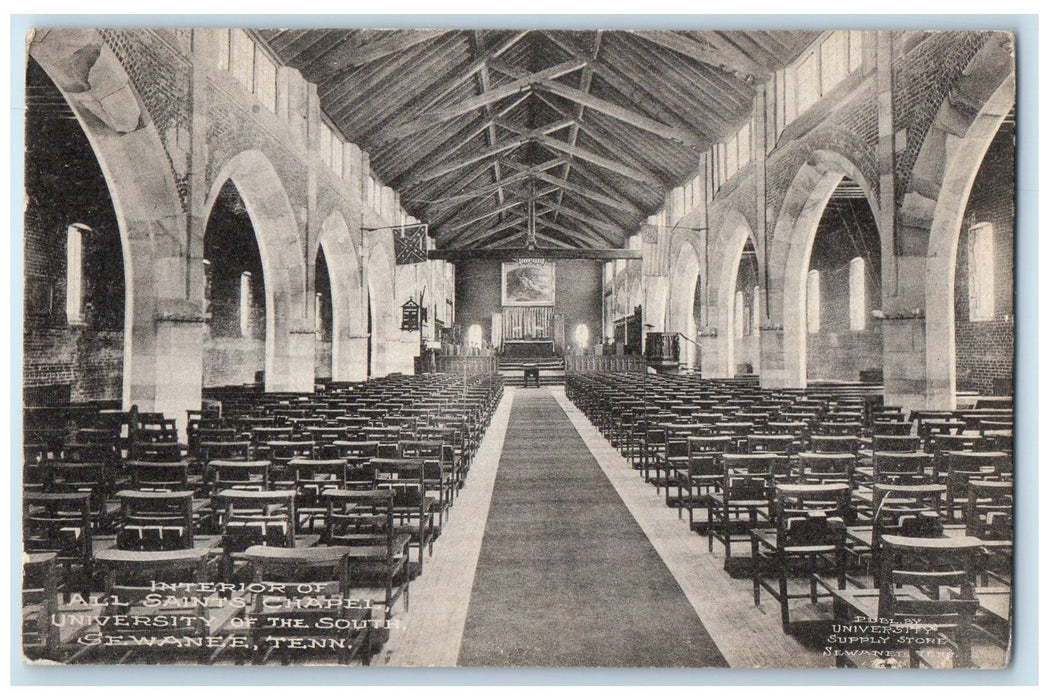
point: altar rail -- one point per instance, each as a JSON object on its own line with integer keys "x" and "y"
{"x": 474, "y": 364}
{"x": 603, "y": 363}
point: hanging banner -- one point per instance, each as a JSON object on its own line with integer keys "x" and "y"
{"x": 409, "y": 244}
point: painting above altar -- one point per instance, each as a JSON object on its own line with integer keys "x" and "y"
{"x": 528, "y": 283}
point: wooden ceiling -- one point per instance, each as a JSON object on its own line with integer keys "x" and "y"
{"x": 590, "y": 129}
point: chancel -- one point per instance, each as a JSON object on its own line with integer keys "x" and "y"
{"x": 519, "y": 347}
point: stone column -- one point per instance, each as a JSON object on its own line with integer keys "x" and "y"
{"x": 179, "y": 357}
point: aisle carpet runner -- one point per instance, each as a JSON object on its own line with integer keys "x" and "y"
{"x": 566, "y": 577}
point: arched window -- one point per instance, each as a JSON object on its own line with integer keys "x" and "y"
{"x": 812, "y": 301}
{"x": 318, "y": 318}
{"x": 739, "y": 314}
{"x": 857, "y": 295}
{"x": 981, "y": 272}
{"x": 245, "y": 304}
{"x": 582, "y": 336}
{"x": 75, "y": 273}
{"x": 473, "y": 336}
{"x": 206, "y": 302}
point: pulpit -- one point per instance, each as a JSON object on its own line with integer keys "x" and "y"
{"x": 662, "y": 351}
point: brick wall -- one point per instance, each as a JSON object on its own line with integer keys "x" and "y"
{"x": 64, "y": 185}
{"x": 984, "y": 349}
{"x": 232, "y": 360}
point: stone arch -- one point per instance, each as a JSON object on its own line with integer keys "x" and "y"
{"x": 938, "y": 192}
{"x": 349, "y": 317}
{"x": 150, "y": 216}
{"x": 733, "y": 235}
{"x": 795, "y": 232}
{"x": 289, "y": 333}
{"x": 684, "y": 272}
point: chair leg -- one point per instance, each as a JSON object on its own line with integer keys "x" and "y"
{"x": 784, "y": 598}
{"x": 755, "y": 571}
{"x": 710, "y": 528}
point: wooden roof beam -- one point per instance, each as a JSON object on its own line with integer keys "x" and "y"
{"x": 484, "y": 85}
{"x": 481, "y": 233}
{"x": 623, "y": 114}
{"x": 643, "y": 176}
{"x": 634, "y": 93}
{"x": 615, "y": 145}
{"x": 592, "y": 195}
{"x": 485, "y": 190}
{"x": 479, "y": 63}
{"x": 540, "y": 133}
{"x": 580, "y": 235}
{"x": 481, "y": 217}
{"x": 432, "y": 91}
{"x": 514, "y": 87}
{"x": 392, "y": 41}
{"x": 707, "y": 49}
{"x": 606, "y": 231}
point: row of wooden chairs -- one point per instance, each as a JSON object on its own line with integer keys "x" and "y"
{"x": 353, "y": 520}
{"x": 838, "y": 490}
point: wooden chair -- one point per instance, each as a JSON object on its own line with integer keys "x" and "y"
{"x": 835, "y": 444}
{"x": 809, "y": 531}
{"x": 927, "y": 591}
{"x": 891, "y": 428}
{"x": 903, "y": 468}
{"x": 41, "y": 637}
{"x": 744, "y": 500}
{"x": 363, "y": 522}
{"x": 131, "y": 581}
{"x": 155, "y": 521}
{"x": 911, "y": 510}
{"x": 702, "y": 476}
{"x": 62, "y": 524}
{"x": 896, "y": 443}
{"x": 413, "y": 509}
{"x": 94, "y": 478}
{"x": 312, "y": 478}
{"x": 962, "y": 467}
{"x": 282, "y": 626}
{"x": 989, "y": 510}
{"x": 826, "y": 467}
{"x": 160, "y": 476}
{"x": 779, "y": 444}
{"x": 249, "y": 518}
{"x": 440, "y": 475}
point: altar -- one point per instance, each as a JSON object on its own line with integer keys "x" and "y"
{"x": 528, "y": 348}
{"x": 530, "y": 331}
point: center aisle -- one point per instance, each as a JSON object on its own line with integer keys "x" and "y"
{"x": 565, "y": 576}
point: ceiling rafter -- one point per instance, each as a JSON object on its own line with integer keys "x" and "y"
{"x": 427, "y": 86}
{"x": 484, "y": 85}
{"x": 432, "y": 118}
{"x": 588, "y": 238}
{"x": 707, "y": 49}
{"x": 489, "y": 152}
{"x": 643, "y": 176}
{"x": 633, "y": 92}
{"x": 593, "y": 195}
{"x": 586, "y": 80}
{"x": 615, "y": 145}
{"x": 345, "y": 57}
